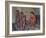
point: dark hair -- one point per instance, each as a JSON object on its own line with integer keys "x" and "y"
{"x": 17, "y": 10}
{"x": 21, "y": 12}
{"x": 32, "y": 12}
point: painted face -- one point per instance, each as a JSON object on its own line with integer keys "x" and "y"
{"x": 31, "y": 14}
